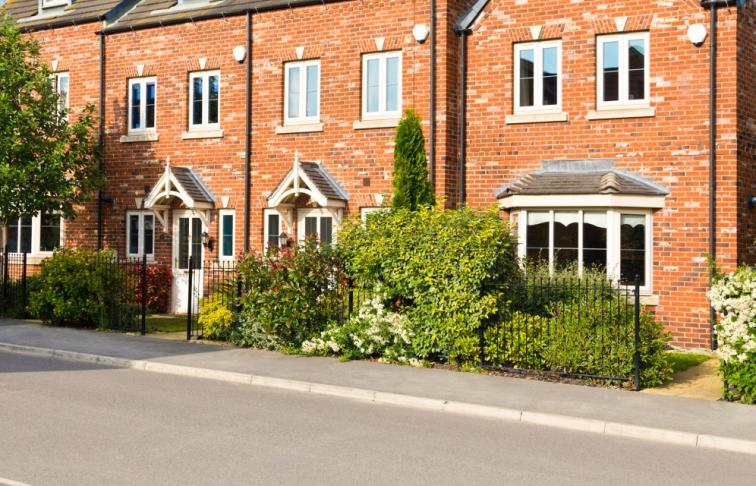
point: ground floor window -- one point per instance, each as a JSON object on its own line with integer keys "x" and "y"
{"x": 316, "y": 223}
{"x": 615, "y": 241}
{"x": 273, "y": 228}
{"x": 226, "y": 234}
{"x": 140, "y": 234}
{"x": 35, "y": 234}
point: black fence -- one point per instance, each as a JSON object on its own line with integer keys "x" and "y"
{"x": 582, "y": 328}
{"x": 120, "y": 302}
{"x": 215, "y": 282}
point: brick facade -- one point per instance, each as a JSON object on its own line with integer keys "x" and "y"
{"x": 670, "y": 147}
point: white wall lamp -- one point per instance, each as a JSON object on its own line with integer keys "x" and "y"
{"x": 697, "y": 34}
{"x": 420, "y": 33}
{"x": 240, "y": 54}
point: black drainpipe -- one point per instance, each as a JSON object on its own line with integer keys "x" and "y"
{"x": 101, "y": 141}
{"x": 462, "y": 118}
{"x": 713, "y": 6}
{"x": 432, "y": 174}
{"x": 248, "y": 138}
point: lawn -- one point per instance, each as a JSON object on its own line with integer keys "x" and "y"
{"x": 683, "y": 361}
{"x": 166, "y": 323}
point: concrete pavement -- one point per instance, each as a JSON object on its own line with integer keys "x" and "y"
{"x": 715, "y": 425}
{"x": 71, "y": 423}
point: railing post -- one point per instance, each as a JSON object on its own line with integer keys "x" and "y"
{"x": 189, "y": 301}
{"x": 637, "y": 354}
{"x": 6, "y": 265}
{"x": 24, "y": 297}
{"x": 238, "y": 294}
{"x": 143, "y": 327}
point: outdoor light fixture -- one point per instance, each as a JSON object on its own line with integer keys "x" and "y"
{"x": 240, "y": 53}
{"x": 283, "y": 240}
{"x": 697, "y": 34}
{"x": 207, "y": 242}
{"x": 752, "y": 202}
{"x": 420, "y": 32}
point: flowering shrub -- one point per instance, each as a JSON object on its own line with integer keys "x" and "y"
{"x": 733, "y": 296}
{"x": 375, "y": 332}
{"x": 159, "y": 280}
{"x": 288, "y": 297}
{"x": 215, "y": 318}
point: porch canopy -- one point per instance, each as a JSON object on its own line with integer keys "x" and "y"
{"x": 581, "y": 183}
{"x": 182, "y": 184}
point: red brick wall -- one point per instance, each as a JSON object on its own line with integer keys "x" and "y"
{"x": 338, "y": 34}
{"x": 671, "y": 147}
{"x": 77, "y": 50}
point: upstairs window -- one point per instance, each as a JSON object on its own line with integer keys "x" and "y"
{"x": 142, "y": 103}
{"x": 538, "y": 73}
{"x": 204, "y": 100}
{"x": 140, "y": 234}
{"x": 302, "y": 87}
{"x": 622, "y": 77}
{"x": 61, "y": 86}
{"x": 382, "y": 85}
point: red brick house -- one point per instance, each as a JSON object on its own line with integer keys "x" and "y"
{"x": 230, "y": 125}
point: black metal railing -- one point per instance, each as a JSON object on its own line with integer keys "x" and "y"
{"x": 14, "y": 292}
{"x": 215, "y": 282}
{"x": 583, "y": 328}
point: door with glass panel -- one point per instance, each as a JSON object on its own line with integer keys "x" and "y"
{"x": 187, "y": 247}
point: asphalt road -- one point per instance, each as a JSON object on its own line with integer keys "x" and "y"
{"x": 64, "y": 423}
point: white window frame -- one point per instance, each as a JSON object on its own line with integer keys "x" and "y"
{"x": 221, "y": 229}
{"x": 623, "y": 40}
{"x": 538, "y": 106}
{"x": 613, "y": 241}
{"x": 367, "y": 210}
{"x": 266, "y": 229}
{"x": 319, "y": 213}
{"x": 45, "y": 4}
{"x": 37, "y": 234}
{"x": 142, "y": 105}
{"x": 302, "y": 119}
{"x": 382, "y": 113}
{"x": 56, "y": 77}
{"x": 205, "y": 75}
{"x": 140, "y": 244}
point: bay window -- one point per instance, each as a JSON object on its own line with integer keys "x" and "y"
{"x": 615, "y": 241}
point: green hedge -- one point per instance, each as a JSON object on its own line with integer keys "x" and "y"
{"x": 435, "y": 266}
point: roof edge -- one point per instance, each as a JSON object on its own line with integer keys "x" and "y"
{"x": 467, "y": 19}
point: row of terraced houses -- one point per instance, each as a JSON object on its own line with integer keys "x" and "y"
{"x": 232, "y": 125}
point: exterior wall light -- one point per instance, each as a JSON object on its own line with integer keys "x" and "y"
{"x": 697, "y": 34}
{"x": 420, "y": 33}
{"x": 283, "y": 240}
{"x": 240, "y": 53}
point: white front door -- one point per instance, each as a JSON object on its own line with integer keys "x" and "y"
{"x": 187, "y": 246}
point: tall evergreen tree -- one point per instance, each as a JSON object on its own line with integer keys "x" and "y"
{"x": 412, "y": 188}
{"x": 47, "y": 163}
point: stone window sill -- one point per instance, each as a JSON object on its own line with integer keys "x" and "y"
{"x": 634, "y": 112}
{"x": 301, "y": 128}
{"x": 536, "y": 118}
{"x": 392, "y": 122}
{"x": 140, "y": 137}
{"x": 197, "y": 134}
{"x": 649, "y": 299}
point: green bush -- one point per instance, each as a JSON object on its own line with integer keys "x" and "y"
{"x": 290, "y": 296}
{"x": 740, "y": 377}
{"x": 519, "y": 344}
{"x": 412, "y": 188}
{"x": 216, "y": 319}
{"x": 80, "y": 288}
{"x": 435, "y": 267}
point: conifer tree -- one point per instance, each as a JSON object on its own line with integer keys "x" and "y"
{"x": 412, "y": 188}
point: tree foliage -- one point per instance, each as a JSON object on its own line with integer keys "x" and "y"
{"x": 412, "y": 188}
{"x": 48, "y": 160}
